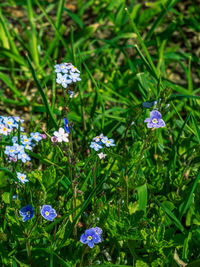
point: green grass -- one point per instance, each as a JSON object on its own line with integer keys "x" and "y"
{"x": 145, "y": 193}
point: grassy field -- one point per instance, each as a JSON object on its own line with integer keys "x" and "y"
{"x": 63, "y": 202}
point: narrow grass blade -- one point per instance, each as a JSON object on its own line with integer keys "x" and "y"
{"x": 48, "y": 109}
{"x": 197, "y": 130}
{"x": 171, "y": 216}
{"x": 189, "y": 199}
{"x": 33, "y": 43}
{"x": 165, "y": 10}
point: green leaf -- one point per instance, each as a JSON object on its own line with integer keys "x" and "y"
{"x": 142, "y": 197}
{"x": 171, "y": 216}
{"x": 6, "y": 197}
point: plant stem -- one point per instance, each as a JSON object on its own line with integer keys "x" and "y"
{"x": 28, "y": 251}
{"x": 141, "y": 154}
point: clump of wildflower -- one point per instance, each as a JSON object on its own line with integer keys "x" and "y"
{"x": 100, "y": 141}
{"x": 91, "y": 237}
{"x": 27, "y": 213}
{"x": 22, "y": 177}
{"x": 67, "y": 74}
{"x": 155, "y": 120}
{"x": 61, "y": 135}
{"x": 48, "y": 212}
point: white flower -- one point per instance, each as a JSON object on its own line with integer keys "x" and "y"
{"x": 22, "y": 177}
{"x": 4, "y": 130}
{"x": 101, "y": 155}
{"x": 61, "y": 135}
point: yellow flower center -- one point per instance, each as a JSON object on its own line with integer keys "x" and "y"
{"x": 4, "y": 129}
{"x": 22, "y": 178}
{"x": 25, "y": 140}
{"x": 46, "y": 213}
{"x": 108, "y": 142}
{"x": 89, "y": 238}
{"x": 154, "y": 121}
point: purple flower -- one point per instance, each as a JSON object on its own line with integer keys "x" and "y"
{"x": 48, "y": 212}
{"x": 155, "y": 120}
{"x": 54, "y": 139}
{"x": 27, "y": 213}
{"x": 91, "y": 237}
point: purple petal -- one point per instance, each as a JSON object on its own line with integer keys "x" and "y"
{"x": 90, "y": 244}
{"x": 161, "y": 123}
{"x": 83, "y": 239}
{"x": 155, "y": 115}
{"x": 148, "y": 120}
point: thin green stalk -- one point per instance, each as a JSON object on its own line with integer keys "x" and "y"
{"x": 141, "y": 154}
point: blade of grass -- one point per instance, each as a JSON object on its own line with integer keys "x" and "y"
{"x": 171, "y": 216}
{"x": 45, "y": 101}
{"x": 189, "y": 199}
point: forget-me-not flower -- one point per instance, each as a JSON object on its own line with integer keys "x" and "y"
{"x": 96, "y": 146}
{"x": 63, "y": 80}
{"x": 75, "y": 77}
{"x": 48, "y": 212}
{"x": 101, "y": 155}
{"x": 107, "y": 142}
{"x": 24, "y": 157}
{"x": 36, "y": 136}
{"x": 155, "y": 120}
{"x": 27, "y": 213}
{"x": 22, "y": 177}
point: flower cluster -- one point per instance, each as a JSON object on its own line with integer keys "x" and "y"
{"x": 46, "y": 211}
{"x": 91, "y": 236}
{"x": 99, "y": 142}
{"x": 8, "y": 124}
{"x": 67, "y": 74}
{"x": 17, "y": 151}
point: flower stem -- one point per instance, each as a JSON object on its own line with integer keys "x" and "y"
{"x": 141, "y": 154}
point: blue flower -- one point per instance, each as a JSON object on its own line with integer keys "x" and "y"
{"x": 25, "y": 140}
{"x": 90, "y": 237}
{"x": 48, "y": 212}
{"x": 18, "y": 148}
{"x": 66, "y": 125}
{"x": 36, "y": 136}
{"x": 27, "y": 213}
{"x": 22, "y": 177}
{"x": 24, "y": 157}
{"x": 10, "y": 151}
{"x": 107, "y": 142}
{"x": 70, "y": 93}
{"x": 96, "y": 146}
{"x": 63, "y": 80}
{"x": 74, "y": 77}
{"x": 61, "y": 68}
